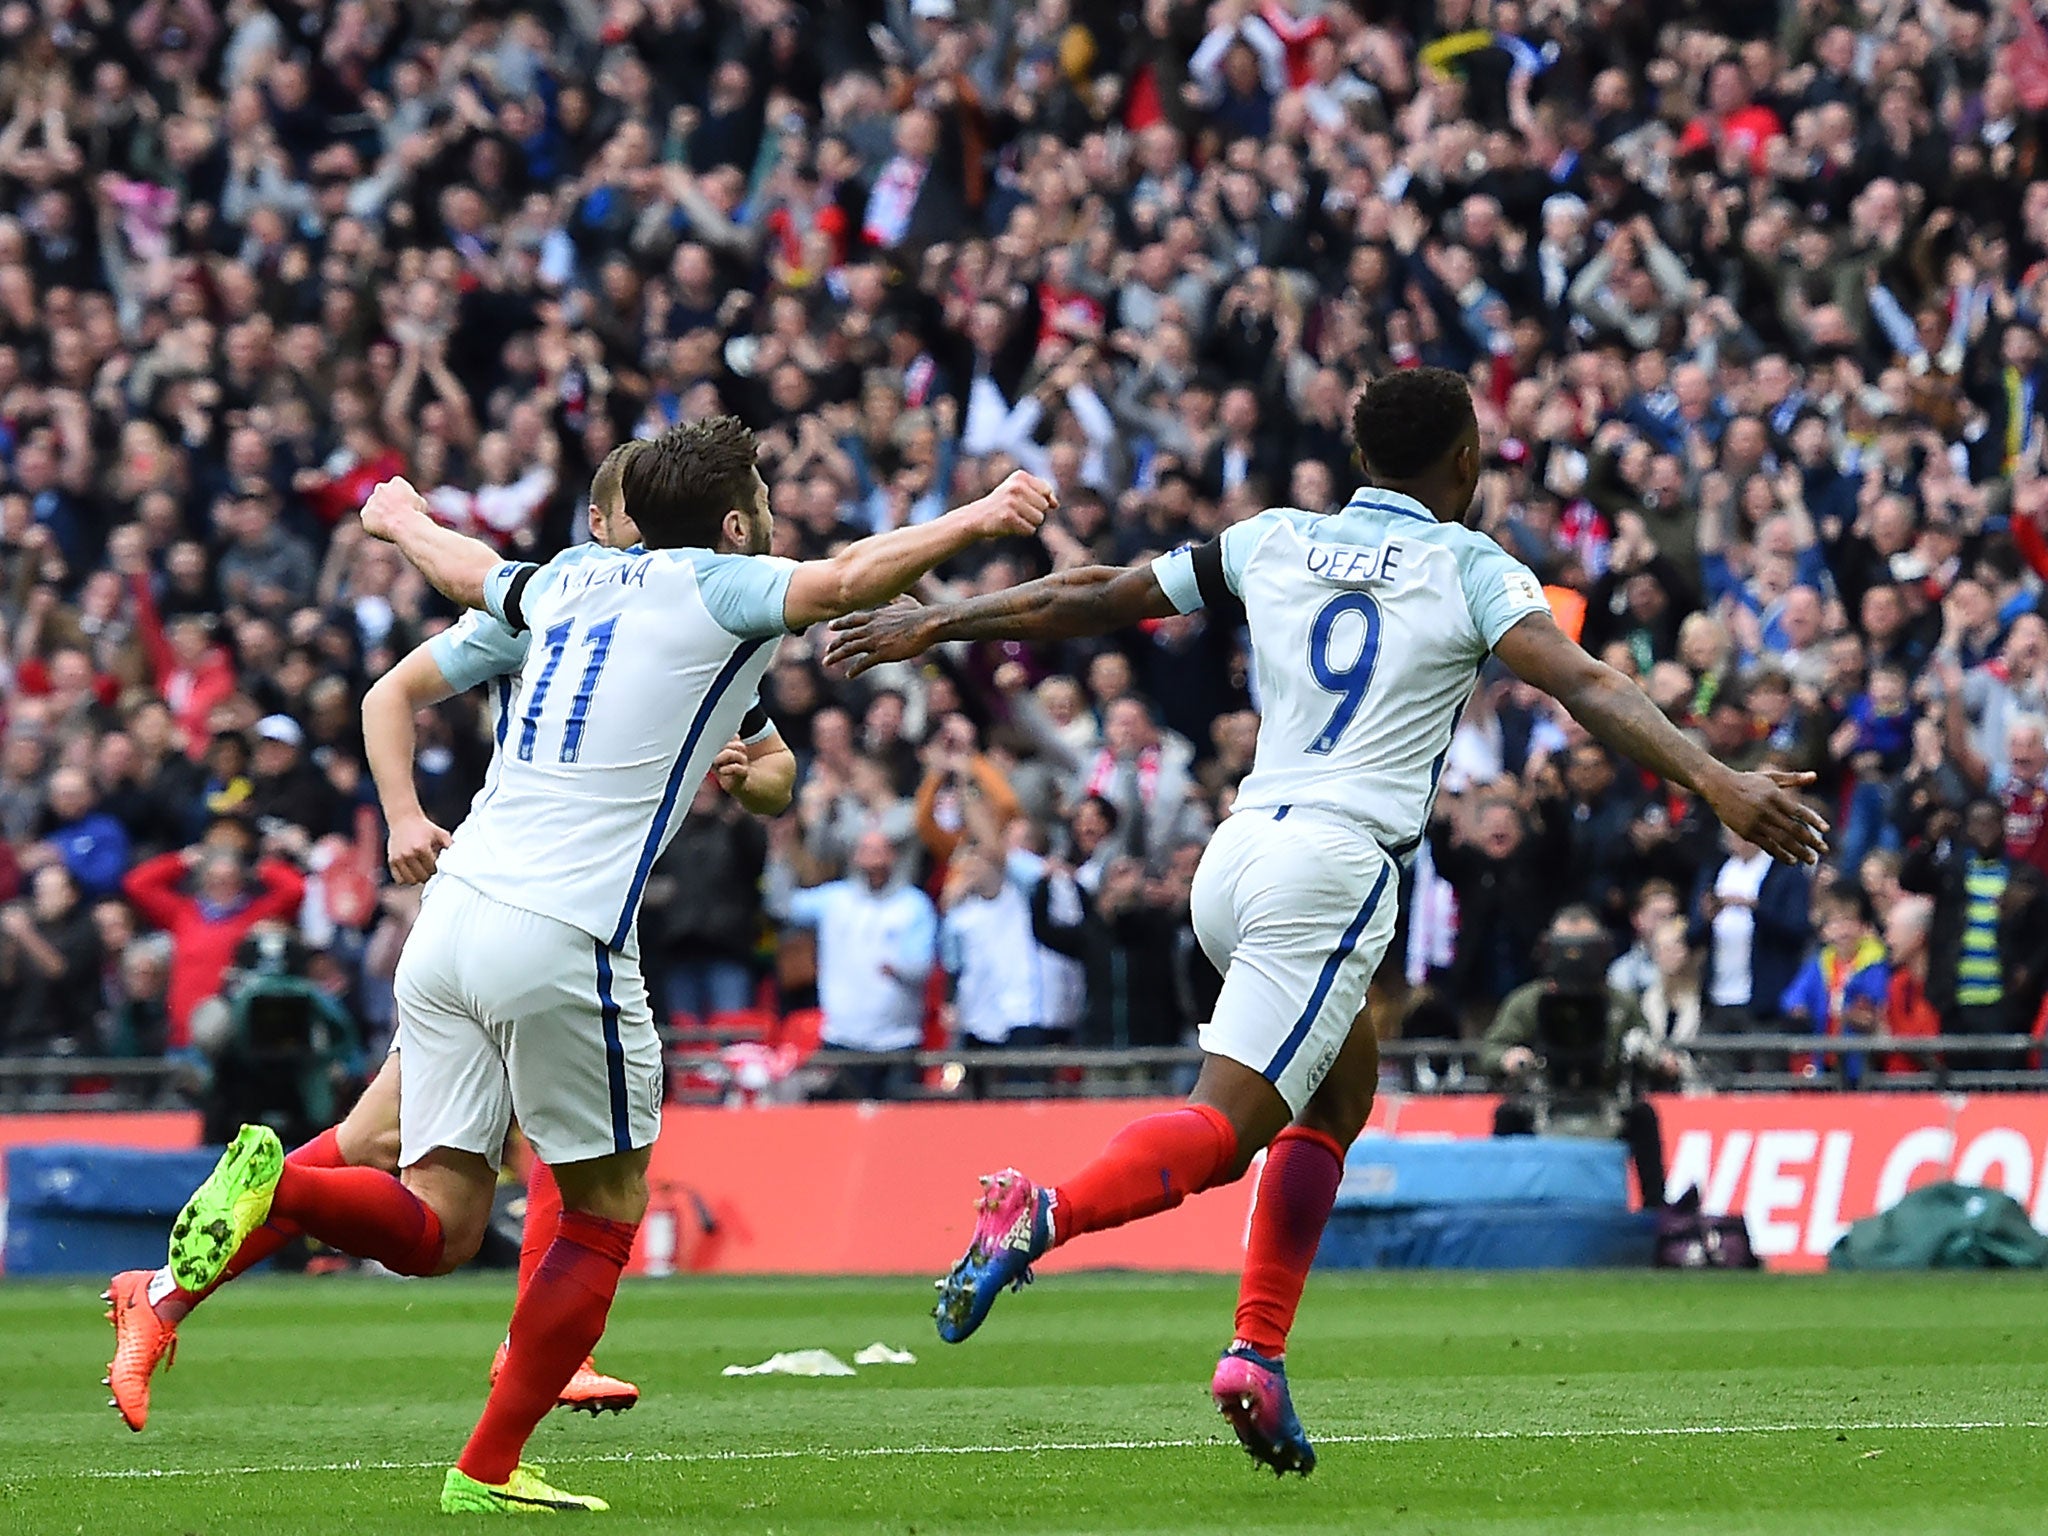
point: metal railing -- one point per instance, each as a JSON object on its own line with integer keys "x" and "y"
{"x": 1959, "y": 1063}
{"x": 1430, "y": 1065}
{"x": 38, "y": 1084}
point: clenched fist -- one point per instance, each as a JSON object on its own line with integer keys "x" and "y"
{"x": 731, "y": 766}
{"x": 1014, "y": 508}
{"x": 414, "y": 849}
{"x": 390, "y": 505}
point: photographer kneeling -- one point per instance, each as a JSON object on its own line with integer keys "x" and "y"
{"x": 1574, "y": 1056}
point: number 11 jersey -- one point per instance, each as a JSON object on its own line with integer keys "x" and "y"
{"x": 1368, "y": 629}
{"x": 639, "y": 668}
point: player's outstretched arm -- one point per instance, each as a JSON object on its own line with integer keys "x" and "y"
{"x": 1092, "y": 600}
{"x": 389, "y": 738}
{"x": 1762, "y": 807}
{"x": 873, "y": 570}
{"x": 454, "y": 564}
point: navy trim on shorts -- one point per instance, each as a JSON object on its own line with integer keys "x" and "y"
{"x": 614, "y": 1052}
{"x": 652, "y": 846}
{"x": 1327, "y": 980}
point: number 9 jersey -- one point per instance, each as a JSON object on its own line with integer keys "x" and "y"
{"x": 1368, "y": 630}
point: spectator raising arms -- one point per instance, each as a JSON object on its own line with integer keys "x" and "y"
{"x": 207, "y": 921}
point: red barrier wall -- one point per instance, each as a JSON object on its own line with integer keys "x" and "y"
{"x": 887, "y": 1189}
{"x": 1801, "y": 1167}
{"x": 834, "y": 1189}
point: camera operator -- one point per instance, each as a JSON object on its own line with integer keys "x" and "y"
{"x": 286, "y": 1053}
{"x": 1574, "y": 1056}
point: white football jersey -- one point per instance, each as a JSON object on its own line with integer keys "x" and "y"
{"x": 480, "y": 648}
{"x": 640, "y": 665}
{"x": 1368, "y": 630}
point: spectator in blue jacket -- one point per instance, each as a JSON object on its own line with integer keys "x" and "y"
{"x": 89, "y": 842}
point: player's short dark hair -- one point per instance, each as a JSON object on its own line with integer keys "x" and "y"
{"x": 1406, "y": 421}
{"x": 680, "y": 485}
{"x": 608, "y": 485}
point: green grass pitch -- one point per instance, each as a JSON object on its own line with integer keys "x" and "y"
{"x": 1442, "y": 1404}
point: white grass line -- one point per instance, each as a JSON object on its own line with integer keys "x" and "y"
{"x": 1038, "y": 1447}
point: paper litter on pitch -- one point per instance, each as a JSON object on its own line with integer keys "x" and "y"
{"x": 796, "y": 1362}
{"x": 882, "y": 1354}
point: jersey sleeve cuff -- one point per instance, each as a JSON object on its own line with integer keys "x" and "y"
{"x": 1175, "y": 574}
{"x": 780, "y": 572}
{"x": 504, "y": 586}
{"x": 1511, "y": 618}
{"x": 447, "y": 651}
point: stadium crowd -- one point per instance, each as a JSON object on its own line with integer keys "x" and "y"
{"x": 1754, "y": 298}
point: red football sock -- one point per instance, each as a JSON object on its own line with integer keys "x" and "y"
{"x": 1296, "y": 1193}
{"x": 1149, "y": 1166}
{"x": 323, "y": 1151}
{"x": 363, "y": 1211}
{"x": 555, "y": 1325}
{"x": 543, "y": 1216}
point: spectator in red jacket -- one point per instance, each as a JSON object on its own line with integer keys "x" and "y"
{"x": 341, "y": 485}
{"x": 1907, "y": 1009}
{"x": 1732, "y": 119}
{"x": 192, "y": 673}
{"x": 208, "y": 921}
{"x": 2030, "y": 525}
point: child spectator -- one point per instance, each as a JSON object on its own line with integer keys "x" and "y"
{"x": 1845, "y": 987}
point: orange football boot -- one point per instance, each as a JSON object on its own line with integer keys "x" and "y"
{"x": 141, "y": 1339}
{"x": 589, "y": 1390}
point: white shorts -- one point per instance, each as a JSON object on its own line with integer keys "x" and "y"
{"x": 503, "y": 1012}
{"x": 1295, "y": 907}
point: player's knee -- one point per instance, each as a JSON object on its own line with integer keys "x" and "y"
{"x": 368, "y": 1136}
{"x": 460, "y": 1189}
{"x": 367, "y": 1145}
{"x": 1253, "y": 1106}
{"x": 614, "y": 1188}
{"x": 464, "y": 1216}
{"x": 1339, "y": 1111}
